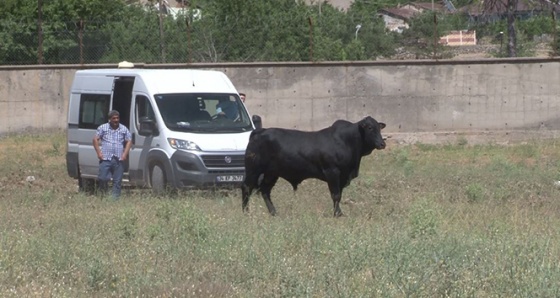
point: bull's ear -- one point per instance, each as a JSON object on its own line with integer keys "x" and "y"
{"x": 382, "y": 125}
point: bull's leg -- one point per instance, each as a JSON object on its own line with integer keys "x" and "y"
{"x": 336, "y": 202}
{"x": 266, "y": 187}
{"x": 249, "y": 184}
{"x": 333, "y": 180}
{"x": 246, "y": 191}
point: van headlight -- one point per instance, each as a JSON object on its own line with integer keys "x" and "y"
{"x": 182, "y": 144}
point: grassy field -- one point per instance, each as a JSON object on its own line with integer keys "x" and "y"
{"x": 420, "y": 221}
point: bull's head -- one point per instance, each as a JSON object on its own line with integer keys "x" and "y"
{"x": 372, "y": 139}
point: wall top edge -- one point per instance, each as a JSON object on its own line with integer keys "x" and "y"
{"x": 291, "y": 64}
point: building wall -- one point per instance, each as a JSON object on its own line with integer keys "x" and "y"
{"x": 394, "y": 24}
{"x": 459, "y": 38}
{"x": 410, "y": 96}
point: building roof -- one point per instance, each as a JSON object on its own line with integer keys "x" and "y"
{"x": 437, "y": 6}
{"x": 409, "y": 10}
{"x": 399, "y": 13}
{"x": 341, "y": 4}
{"x": 168, "y": 3}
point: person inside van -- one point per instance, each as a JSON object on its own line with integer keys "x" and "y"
{"x": 227, "y": 108}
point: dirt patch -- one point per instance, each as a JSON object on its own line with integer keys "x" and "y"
{"x": 480, "y": 51}
{"x": 472, "y": 137}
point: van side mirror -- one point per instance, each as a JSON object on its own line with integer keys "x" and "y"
{"x": 147, "y": 127}
{"x": 257, "y": 121}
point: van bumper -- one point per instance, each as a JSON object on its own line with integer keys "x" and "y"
{"x": 207, "y": 170}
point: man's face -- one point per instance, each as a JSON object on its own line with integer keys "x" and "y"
{"x": 242, "y": 98}
{"x": 114, "y": 121}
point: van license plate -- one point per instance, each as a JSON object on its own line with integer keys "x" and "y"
{"x": 232, "y": 178}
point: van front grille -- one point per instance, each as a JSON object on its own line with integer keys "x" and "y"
{"x": 223, "y": 161}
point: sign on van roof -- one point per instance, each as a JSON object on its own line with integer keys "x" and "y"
{"x": 126, "y": 64}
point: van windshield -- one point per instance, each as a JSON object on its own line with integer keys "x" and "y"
{"x": 203, "y": 112}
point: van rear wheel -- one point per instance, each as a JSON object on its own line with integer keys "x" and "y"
{"x": 158, "y": 179}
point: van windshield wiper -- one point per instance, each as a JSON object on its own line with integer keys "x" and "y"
{"x": 184, "y": 128}
{"x": 219, "y": 129}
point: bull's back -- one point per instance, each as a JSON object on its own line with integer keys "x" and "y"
{"x": 283, "y": 143}
{"x": 289, "y": 150}
{"x": 279, "y": 140}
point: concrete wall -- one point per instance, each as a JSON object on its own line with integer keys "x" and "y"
{"x": 410, "y": 96}
{"x": 33, "y": 99}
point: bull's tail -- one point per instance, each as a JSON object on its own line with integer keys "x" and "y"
{"x": 255, "y": 159}
{"x": 254, "y": 167}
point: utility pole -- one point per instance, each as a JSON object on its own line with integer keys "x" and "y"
{"x": 40, "y": 32}
{"x": 435, "y": 30}
{"x": 161, "y": 37}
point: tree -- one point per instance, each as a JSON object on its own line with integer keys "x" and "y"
{"x": 509, "y": 9}
{"x": 133, "y": 38}
{"x": 18, "y": 26}
{"x": 61, "y": 20}
{"x": 422, "y": 37}
{"x": 512, "y": 35}
{"x": 329, "y": 33}
{"x": 240, "y": 30}
{"x": 369, "y": 30}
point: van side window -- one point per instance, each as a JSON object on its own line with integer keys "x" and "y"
{"x": 93, "y": 110}
{"x": 143, "y": 109}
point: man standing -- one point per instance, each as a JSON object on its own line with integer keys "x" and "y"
{"x": 112, "y": 143}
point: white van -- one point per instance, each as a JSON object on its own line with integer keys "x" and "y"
{"x": 180, "y": 139}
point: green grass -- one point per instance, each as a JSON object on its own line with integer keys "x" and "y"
{"x": 420, "y": 221}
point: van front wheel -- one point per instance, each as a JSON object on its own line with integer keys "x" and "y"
{"x": 158, "y": 179}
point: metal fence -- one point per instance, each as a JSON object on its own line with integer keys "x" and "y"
{"x": 91, "y": 42}
{"x": 83, "y": 42}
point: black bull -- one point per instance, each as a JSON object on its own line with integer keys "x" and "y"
{"x": 332, "y": 155}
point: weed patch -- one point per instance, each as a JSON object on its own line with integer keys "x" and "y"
{"x": 421, "y": 220}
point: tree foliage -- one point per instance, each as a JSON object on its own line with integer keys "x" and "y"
{"x": 19, "y": 26}
{"x": 108, "y": 31}
{"x": 422, "y": 38}
{"x": 99, "y": 31}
